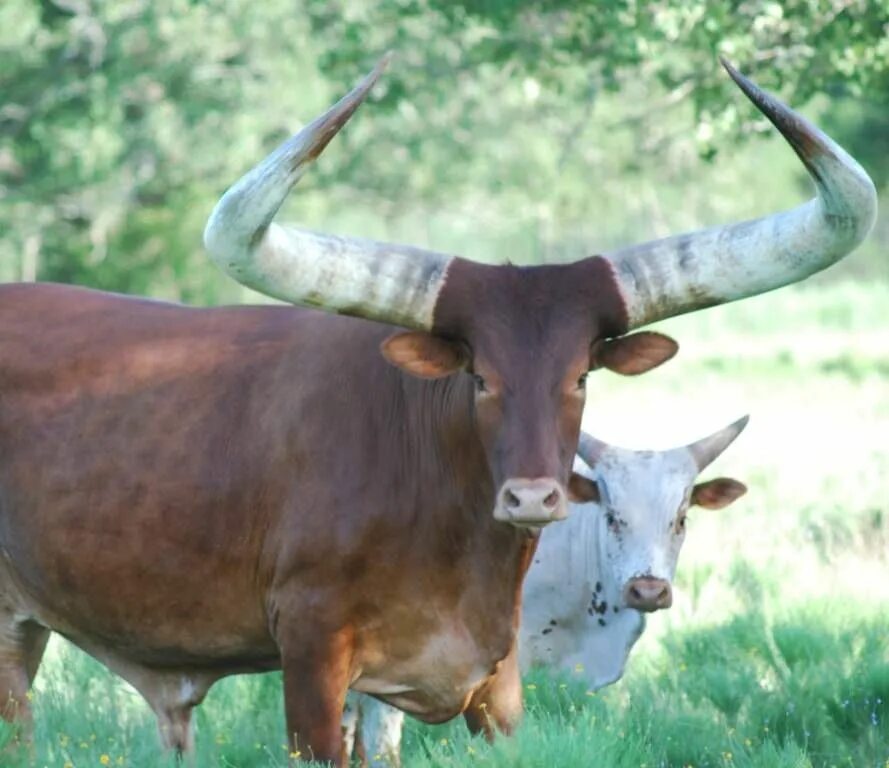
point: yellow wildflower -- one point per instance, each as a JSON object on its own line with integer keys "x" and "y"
{"x": 105, "y": 760}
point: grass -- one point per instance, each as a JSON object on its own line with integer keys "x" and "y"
{"x": 776, "y": 652}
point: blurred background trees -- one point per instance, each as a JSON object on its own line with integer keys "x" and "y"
{"x": 503, "y": 129}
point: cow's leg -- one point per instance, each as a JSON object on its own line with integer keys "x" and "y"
{"x": 34, "y": 639}
{"x": 19, "y": 659}
{"x": 497, "y": 704}
{"x": 381, "y": 726}
{"x": 21, "y": 647}
{"x": 317, "y": 673}
{"x": 349, "y": 722}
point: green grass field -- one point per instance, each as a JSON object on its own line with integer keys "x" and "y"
{"x": 777, "y": 650}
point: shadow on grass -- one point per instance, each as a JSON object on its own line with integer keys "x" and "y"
{"x": 809, "y": 689}
{"x": 805, "y": 689}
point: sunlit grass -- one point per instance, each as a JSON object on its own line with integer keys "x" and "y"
{"x": 776, "y": 652}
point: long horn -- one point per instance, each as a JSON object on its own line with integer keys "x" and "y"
{"x": 687, "y": 272}
{"x": 590, "y": 449}
{"x": 390, "y": 283}
{"x": 707, "y": 449}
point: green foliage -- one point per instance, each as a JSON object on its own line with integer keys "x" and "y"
{"x": 531, "y": 131}
{"x": 576, "y": 51}
{"x": 119, "y": 120}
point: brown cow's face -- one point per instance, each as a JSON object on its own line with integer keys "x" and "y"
{"x": 528, "y": 407}
{"x": 525, "y": 339}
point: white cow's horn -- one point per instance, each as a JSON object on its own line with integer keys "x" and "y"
{"x": 707, "y": 449}
{"x": 590, "y": 449}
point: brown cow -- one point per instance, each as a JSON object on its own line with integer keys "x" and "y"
{"x": 191, "y": 493}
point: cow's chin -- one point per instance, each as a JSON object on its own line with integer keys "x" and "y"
{"x": 531, "y": 527}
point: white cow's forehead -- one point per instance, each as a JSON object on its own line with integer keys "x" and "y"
{"x": 642, "y": 483}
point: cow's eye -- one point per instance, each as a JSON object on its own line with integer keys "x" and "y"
{"x": 581, "y": 382}
{"x": 480, "y": 385}
{"x": 680, "y": 523}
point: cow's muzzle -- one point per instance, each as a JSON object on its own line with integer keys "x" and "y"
{"x": 648, "y": 594}
{"x": 531, "y": 503}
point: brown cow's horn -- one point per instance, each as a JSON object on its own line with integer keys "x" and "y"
{"x": 390, "y": 283}
{"x": 680, "y": 274}
{"x": 707, "y": 449}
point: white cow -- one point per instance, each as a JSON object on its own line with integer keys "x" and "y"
{"x": 595, "y": 574}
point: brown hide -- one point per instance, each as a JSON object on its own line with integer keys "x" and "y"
{"x": 530, "y": 332}
{"x": 187, "y": 493}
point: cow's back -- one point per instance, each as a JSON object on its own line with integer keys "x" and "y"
{"x": 134, "y": 441}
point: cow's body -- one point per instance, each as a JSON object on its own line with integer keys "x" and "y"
{"x": 166, "y": 499}
{"x": 574, "y": 617}
{"x": 575, "y": 612}
{"x": 188, "y": 493}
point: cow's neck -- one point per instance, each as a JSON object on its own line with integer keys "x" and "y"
{"x": 439, "y": 443}
{"x": 579, "y": 539}
{"x": 455, "y": 499}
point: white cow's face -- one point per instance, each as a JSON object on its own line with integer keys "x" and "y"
{"x": 644, "y": 497}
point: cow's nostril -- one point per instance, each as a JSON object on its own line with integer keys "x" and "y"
{"x": 551, "y": 500}
{"x": 511, "y": 499}
{"x": 635, "y": 593}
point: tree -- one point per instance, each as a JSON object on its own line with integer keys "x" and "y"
{"x": 503, "y": 128}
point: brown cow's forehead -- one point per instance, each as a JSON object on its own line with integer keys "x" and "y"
{"x": 520, "y": 311}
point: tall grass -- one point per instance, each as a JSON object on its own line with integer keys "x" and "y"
{"x": 776, "y": 652}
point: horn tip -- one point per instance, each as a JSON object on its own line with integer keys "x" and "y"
{"x": 750, "y": 89}
{"x": 381, "y": 65}
{"x": 741, "y": 423}
{"x": 727, "y": 65}
{"x": 743, "y": 82}
{"x": 385, "y": 59}
{"x": 370, "y": 80}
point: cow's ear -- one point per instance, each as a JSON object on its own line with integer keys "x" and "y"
{"x": 718, "y": 493}
{"x": 424, "y": 355}
{"x": 581, "y": 489}
{"x": 633, "y": 354}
